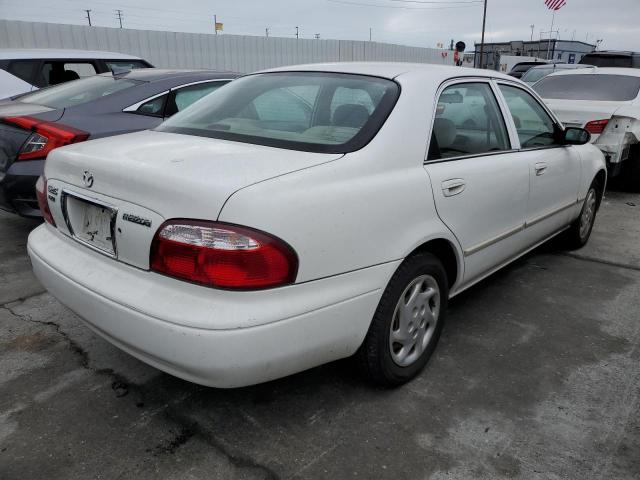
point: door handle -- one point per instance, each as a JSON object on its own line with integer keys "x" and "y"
{"x": 540, "y": 168}
{"x": 453, "y": 187}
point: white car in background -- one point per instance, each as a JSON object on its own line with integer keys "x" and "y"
{"x": 605, "y": 102}
{"x": 306, "y": 214}
{"x": 25, "y": 70}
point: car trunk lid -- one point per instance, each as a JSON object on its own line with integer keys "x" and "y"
{"x": 576, "y": 113}
{"x": 141, "y": 179}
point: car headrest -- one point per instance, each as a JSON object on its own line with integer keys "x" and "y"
{"x": 445, "y": 131}
{"x": 350, "y": 115}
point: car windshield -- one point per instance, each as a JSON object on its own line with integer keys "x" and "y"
{"x": 535, "y": 74}
{"x": 80, "y": 91}
{"x": 309, "y": 111}
{"x": 613, "y": 88}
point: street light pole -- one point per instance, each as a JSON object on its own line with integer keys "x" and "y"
{"x": 484, "y": 21}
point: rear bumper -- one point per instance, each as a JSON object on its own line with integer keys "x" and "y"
{"x": 212, "y": 337}
{"x": 17, "y": 188}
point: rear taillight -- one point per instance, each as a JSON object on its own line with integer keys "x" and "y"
{"x": 41, "y": 193}
{"x": 596, "y": 126}
{"x": 222, "y": 255}
{"x": 45, "y": 136}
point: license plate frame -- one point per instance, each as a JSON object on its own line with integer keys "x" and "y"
{"x": 107, "y": 211}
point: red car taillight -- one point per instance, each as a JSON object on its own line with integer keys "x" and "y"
{"x": 45, "y": 136}
{"x": 222, "y": 255}
{"x": 41, "y": 193}
{"x": 596, "y": 126}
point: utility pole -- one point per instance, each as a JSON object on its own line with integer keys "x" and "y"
{"x": 369, "y": 33}
{"x": 266, "y": 32}
{"x": 297, "y": 32}
{"x": 88, "y": 16}
{"x": 553, "y": 17}
{"x": 215, "y": 23}
{"x": 532, "y": 27}
{"x": 484, "y": 22}
{"x": 119, "y": 15}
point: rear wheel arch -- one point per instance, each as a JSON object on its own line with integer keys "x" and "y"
{"x": 444, "y": 251}
{"x": 600, "y": 181}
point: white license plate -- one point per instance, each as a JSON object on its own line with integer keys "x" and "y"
{"x": 91, "y": 223}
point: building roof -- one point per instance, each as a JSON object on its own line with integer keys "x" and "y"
{"x": 37, "y": 53}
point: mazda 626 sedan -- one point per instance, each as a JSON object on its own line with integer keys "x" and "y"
{"x": 306, "y": 214}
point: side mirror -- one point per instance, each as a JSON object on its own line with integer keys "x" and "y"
{"x": 576, "y": 136}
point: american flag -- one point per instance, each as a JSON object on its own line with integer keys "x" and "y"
{"x": 555, "y": 4}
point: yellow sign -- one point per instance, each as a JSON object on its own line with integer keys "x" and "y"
{"x": 219, "y": 26}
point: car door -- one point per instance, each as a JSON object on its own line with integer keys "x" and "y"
{"x": 480, "y": 185}
{"x": 554, "y": 168}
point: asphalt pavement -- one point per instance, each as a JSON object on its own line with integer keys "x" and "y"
{"x": 537, "y": 376}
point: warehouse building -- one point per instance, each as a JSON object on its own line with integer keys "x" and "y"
{"x": 566, "y": 51}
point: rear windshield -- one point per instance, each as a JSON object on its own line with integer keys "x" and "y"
{"x": 613, "y": 88}
{"x": 80, "y": 91}
{"x": 309, "y": 111}
{"x": 535, "y": 74}
{"x": 624, "y": 61}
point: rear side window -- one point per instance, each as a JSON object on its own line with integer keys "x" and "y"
{"x": 56, "y": 72}
{"x": 125, "y": 64}
{"x": 589, "y": 87}
{"x": 23, "y": 69}
{"x": 185, "y": 96}
{"x": 309, "y": 111}
{"x": 468, "y": 122}
{"x": 153, "y": 107}
{"x": 76, "y": 93}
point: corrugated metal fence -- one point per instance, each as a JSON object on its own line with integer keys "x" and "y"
{"x": 240, "y": 53}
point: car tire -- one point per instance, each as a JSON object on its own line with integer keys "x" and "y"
{"x": 631, "y": 170}
{"x": 411, "y": 312}
{"x": 579, "y": 232}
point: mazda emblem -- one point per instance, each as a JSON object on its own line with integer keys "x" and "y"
{"x": 87, "y": 178}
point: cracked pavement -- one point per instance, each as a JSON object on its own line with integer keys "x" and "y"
{"x": 537, "y": 376}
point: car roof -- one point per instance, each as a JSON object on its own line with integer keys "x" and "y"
{"x": 32, "y": 53}
{"x": 629, "y": 72}
{"x": 155, "y": 74}
{"x": 562, "y": 66}
{"x": 606, "y": 53}
{"x": 392, "y": 70}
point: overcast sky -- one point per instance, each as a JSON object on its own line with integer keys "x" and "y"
{"x": 409, "y": 22}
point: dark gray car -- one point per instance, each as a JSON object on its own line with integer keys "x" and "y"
{"x": 33, "y": 124}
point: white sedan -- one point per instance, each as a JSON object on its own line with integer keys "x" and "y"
{"x": 605, "y": 102}
{"x": 306, "y": 214}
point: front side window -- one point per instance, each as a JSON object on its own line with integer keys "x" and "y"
{"x": 589, "y": 86}
{"x": 76, "y": 93}
{"x": 468, "y": 122}
{"x": 534, "y": 125}
{"x": 293, "y": 110}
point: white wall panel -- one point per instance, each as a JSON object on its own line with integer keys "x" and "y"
{"x": 239, "y": 53}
